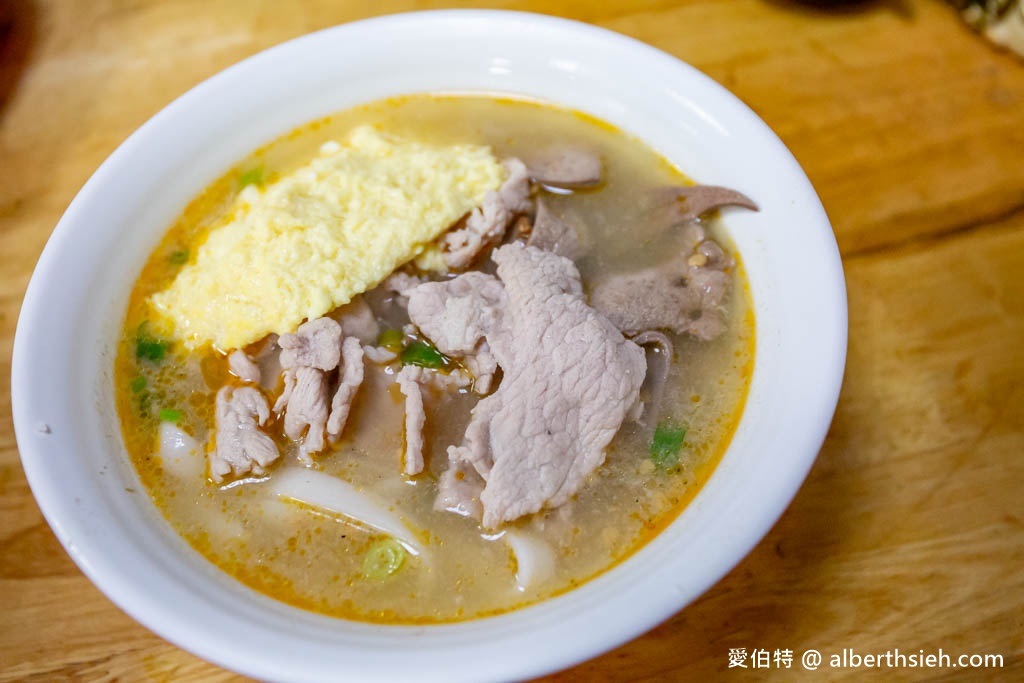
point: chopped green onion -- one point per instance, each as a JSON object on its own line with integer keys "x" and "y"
{"x": 148, "y": 347}
{"x": 169, "y": 415}
{"x": 423, "y": 354}
{"x": 254, "y": 176}
{"x": 666, "y": 444}
{"x": 137, "y": 384}
{"x": 391, "y": 340}
{"x": 178, "y": 257}
{"x": 384, "y": 558}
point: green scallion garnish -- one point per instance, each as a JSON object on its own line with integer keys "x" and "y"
{"x": 254, "y": 176}
{"x": 666, "y": 444}
{"x": 169, "y": 415}
{"x": 148, "y": 347}
{"x": 392, "y": 340}
{"x": 383, "y": 559}
{"x": 423, "y": 354}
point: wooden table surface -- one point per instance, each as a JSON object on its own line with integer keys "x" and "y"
{"x": 909, "y": 532}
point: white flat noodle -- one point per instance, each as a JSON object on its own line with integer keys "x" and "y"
{"x": 535, "y": 560}
{"x": 180, "y": 454}
{"x": 339, "y": 497}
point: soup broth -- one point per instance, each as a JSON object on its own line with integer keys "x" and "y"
{"x": 326, "y": 562}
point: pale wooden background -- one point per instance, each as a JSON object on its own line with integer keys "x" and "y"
{"x": 908, "y": 533}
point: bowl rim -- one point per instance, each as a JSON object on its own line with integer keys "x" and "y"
{"x": 167, "y": 620}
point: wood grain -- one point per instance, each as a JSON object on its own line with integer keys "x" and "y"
{"x": 909, "y": 531}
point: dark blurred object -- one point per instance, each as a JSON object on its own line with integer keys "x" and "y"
{"x": 17, "y": 26}
{"x": 1001, "y": 21}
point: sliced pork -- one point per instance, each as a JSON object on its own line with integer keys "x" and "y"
{"x": 379, "y": 354}
{"x": 693, "y": 200}
{"x": 240, "y": 447}
{"x": 352, "y": 372}
{"x": 398, "y": 285}
{"x": 413, "y": 381}
{"x": 569, "y": 379}
{"x": 307, "y": 356}
{"x": 686, "y": 294}
{"x": 515, "y": 191}
{"x": 674, "y": 296}
{"x": 306, "y": 416}
{"x": 555, "y": 234}
{"x": 486, "y": 225}
{"x": 243, "y": 367}
{"x": 310, "y": 357}
{"x": 446, "y": 381}
{"x": 357, "y": 320}
{"x": 316, "y": 344}
{"x": 412, "y": 460}
{"x": 566, "y": 167}
{"x": 437, "y": 380}
{"x": 458, "y": 490}
{"x": 457, "y": 316}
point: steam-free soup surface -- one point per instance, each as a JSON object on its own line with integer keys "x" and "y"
{"x": 325, "y": 562}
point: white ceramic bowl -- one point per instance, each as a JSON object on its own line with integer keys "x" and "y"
{"x": 62, "y": 388}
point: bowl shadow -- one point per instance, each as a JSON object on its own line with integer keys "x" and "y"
{"x": 17, "y": 39}
{"x": 843, "y": 8}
